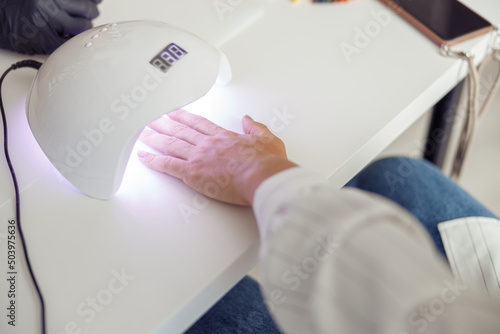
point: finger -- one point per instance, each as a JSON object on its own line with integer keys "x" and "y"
{"x": 164, "y": 164}
{"x": 172, "y": 146}
{"x": 50, "y": 42}
{"x": 252, "y": 127}
{"x": 175, "y": 129}
{"x": 196, "y": 122}
{"x": 78, "y": 8}
{"x": 71, "y": 26}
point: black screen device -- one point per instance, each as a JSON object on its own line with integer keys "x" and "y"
{"x": 443, "y": 21}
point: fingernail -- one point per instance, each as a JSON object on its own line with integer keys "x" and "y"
{"x": 142, "y": 154}
{"x": 146, "y": 132}
{"x": 248, "y": 116}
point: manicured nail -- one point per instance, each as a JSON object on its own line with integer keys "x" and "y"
{"x": 248, "y": 116}
{"x": 142, "y": 154}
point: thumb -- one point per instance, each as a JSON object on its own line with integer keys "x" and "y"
{"x": 251, "y": 127}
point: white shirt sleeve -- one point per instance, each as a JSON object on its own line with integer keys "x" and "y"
{"x": 344, "y": 261}
{"x": 472, "y": 245}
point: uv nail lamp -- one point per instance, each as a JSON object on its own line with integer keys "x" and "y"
{"x": 93, "y": 96}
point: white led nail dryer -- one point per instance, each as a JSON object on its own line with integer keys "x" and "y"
{"x": 93, "y": 96}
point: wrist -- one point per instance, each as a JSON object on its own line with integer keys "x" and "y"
{"x": 259, "y": 171}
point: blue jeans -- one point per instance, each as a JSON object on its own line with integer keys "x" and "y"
{"x": 421, "y": 188}
{"x": 416, "y": 185}
{"x": 241, "y": 311}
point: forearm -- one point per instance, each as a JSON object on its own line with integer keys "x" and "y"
{"x": 332, "y": 261}
{"x": 341, "y": 261}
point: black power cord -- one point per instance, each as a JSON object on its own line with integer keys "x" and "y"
{"x": 36, "y": 65}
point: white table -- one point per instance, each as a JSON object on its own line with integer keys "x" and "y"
{"x": 157, "y": 255}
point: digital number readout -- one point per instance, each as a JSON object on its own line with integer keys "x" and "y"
{"x": 168, "y": 57}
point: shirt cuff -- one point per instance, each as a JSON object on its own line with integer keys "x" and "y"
{"x": 268, "y": 196}
{"x": 473, "y": 251}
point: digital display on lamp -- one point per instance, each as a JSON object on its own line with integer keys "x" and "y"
{"x": 168, "y": 57}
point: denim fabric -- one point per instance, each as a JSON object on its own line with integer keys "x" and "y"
{"x": 241, "y": 311}
{"x": 422, "y": 189}
{"x": 416, "y": 185}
